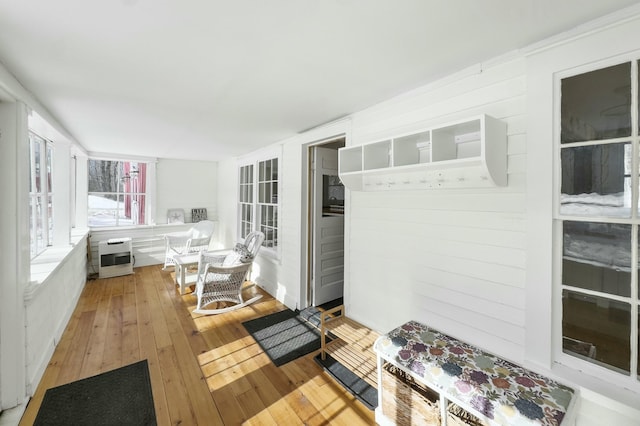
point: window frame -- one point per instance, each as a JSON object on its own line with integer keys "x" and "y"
{"x": 632, "y": 379}
{"x": 44, "y": 166}
{"x": 148, "y": 192}
{"x": 256, "y": 206}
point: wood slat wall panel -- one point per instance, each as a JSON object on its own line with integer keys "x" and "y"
{"x": 438, "y": 255}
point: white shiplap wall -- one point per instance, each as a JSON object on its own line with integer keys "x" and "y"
{"x": 48, "y": 308}
{"x": 453, "y": 259}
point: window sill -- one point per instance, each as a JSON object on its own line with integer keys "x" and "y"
{"x": 129, "y": 227}
{"x": 599, "y": 391}
{"x": 47, "y": 262}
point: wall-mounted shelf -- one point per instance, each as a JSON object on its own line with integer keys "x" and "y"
{"x": 463, "y": 154}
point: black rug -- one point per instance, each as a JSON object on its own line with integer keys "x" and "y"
{"x": 362, "y": 390}
{"x": 312, "y": 313}
{"x": 118, "y": 397}
{"x": 284, "y": 336}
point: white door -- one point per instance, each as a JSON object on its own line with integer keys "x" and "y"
{"x": 328, "y": 228}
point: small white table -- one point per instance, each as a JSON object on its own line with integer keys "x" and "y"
{"x": 183, "y": 262}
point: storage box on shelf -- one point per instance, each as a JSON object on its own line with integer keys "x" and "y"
{"x": 469, "y": 153}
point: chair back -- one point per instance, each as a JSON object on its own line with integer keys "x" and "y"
{"x": 202, "y": 229}
{"x": 253, "y": 242}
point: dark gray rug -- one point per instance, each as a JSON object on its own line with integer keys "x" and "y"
{"x": 118, "y": 397}
{"x": 362, "y": 390}
{"x": 284, "y": 336}
{"x": 312, "y": 313}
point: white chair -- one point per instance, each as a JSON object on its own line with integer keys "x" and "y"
{"x": 253, "y": 242}
{"x": 192, "y": 241}
{"x": 222, "y": 274}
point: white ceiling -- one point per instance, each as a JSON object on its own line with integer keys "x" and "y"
{"x": 208, "y": 79}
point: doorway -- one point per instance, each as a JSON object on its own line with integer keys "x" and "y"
{"x": 325, "y": 256}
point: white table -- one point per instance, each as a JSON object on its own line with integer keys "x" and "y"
{"x": 183, "y": 262}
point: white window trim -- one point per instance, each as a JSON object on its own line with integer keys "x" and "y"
{"x": 46, "y": 190}
{"x": 566, "y": 361}
{"x": 150, "y": 192}
{"x": 254, "y": 159}
{"x": 544, "y": 68}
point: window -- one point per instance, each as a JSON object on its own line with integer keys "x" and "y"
{"x": 259, "y": 211}
{"x": 246, "y": 200}
{"x": 41, "y": 194}
{"x": 117, "y": 193}
{"x": 268, "y": 201}
{"x": 597, "y": 220}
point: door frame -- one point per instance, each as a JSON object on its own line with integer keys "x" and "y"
{"x": 307, "y": 232}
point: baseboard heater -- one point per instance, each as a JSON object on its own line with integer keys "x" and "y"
{"x": 115, "y": 258}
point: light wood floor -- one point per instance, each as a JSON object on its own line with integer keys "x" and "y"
{"x": 205, "y": 370}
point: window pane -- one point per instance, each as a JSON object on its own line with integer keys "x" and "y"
{"x": 50, "y": 220}
{"x": 274, "y": 169}
{"x": 267, "y": 172}
{"x": 596, "y": 329}
{"x": 596, "y": 180}
{"x": 134, "y": 209}
{"x": 39, "y": 224}
{"x": 49, "y": 167}
{"x": 597, "y": 256}
{"x": 32, "y": 227}
{"x": 102, "y": 210}
{"x": 37, "y": 146}
{"x": 597, "y": 105}
{"x": 104, "y": 176}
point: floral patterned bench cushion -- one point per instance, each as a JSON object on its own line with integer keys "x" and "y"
{"x": 504, "y": 392}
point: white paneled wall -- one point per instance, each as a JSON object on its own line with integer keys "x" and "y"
{"x": 147, "y": 242}
{"x": 48, "y": 308}
{"x": 453, "y": 259}
{"x": 186, "y": 185}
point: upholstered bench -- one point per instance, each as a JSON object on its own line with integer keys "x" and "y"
{"x": 497, "y": 391}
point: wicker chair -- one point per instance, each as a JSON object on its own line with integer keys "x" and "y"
{"x": 192, "y": 241}
{"x": 253, "y": 242}
{"x": 220, "y": 279}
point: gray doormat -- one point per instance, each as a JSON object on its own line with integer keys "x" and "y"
{"x": 362, "y": 390}
{"x": 284, "y": 336}
{"x": 118, "y": 397}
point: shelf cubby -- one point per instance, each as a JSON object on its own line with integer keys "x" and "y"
{"x": 412, "y": 149}
{"x": 377, "y": 155}
{"x": 462, "y": 154}
{"x": 351, "y": 160}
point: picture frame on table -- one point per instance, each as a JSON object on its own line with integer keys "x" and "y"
{"x": 175, "y": 216}
{"x": 198, "y": 214}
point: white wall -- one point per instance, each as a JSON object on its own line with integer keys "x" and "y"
{"x": 453, "y": 259}
{"x": 48, "y": 306}
{"x": 186, "y": 185}
{"x": 475, "y": 264}
{"x": 14, "y": 246}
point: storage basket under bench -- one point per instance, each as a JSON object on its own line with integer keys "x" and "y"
{"x": 426, "y": 377}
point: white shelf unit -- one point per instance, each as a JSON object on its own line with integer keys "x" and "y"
{"x": 115, "y": 258}
{"x": 463, "y": 154}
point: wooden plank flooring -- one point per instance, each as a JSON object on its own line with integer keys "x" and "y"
{"x": 205, "y": 370}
